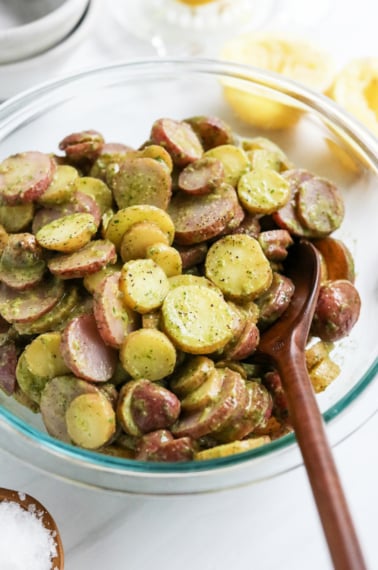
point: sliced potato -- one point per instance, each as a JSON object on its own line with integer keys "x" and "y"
{"x": 137, "y": 239}
{"x": 238, "y": 266}
{"x": 124, "y": 414}
{"x": 97, "y": 189}
{"x": 190, "y": 279}
{"x": 55, "y": 318}
{"x": 93, "y": 281}
{"x": 16, "y": 218}
{"x": 149, "y": 354}
{"x": 264, "y": 144}
{"x": 317, "y": 352}
{"x": 143, "y": 284}
{"x": 126, "y": 217}
{"x": 40, "y": 362}
{"x": 167, "y": 257}
{"x": 158, "y": 153}
{"x": 263, "y": 191}
{"x": 191, "y": 375}
{"x": 323, "y": 373}
{"x": 62, "y": 186}
{"x": 90, "y": 420}
{"x": 67, "y": 234}
{"x": 197, "y": 319}
{"x": 235, "y": 161}
{"x": 205, "y": 394}
{"x": 231, "y": 448}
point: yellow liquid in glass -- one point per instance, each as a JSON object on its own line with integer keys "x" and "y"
{"x": 196, "y": 2}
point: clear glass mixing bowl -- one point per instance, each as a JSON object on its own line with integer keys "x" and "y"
{"x": 122, "y": 101}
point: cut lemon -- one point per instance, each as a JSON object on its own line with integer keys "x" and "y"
{"x": 356, "y": 89}
{"x": 295, "y": 59}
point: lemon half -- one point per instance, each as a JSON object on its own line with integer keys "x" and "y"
{"x": 356, "y": 89}
{"x": 295, "y": 59}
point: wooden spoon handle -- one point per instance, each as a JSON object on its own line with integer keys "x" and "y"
{"x": 324, "y": 479}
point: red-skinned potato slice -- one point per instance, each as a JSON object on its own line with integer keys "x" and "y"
{"x": 274, "y": 244}
{"x": 25, "y": 176}
{"x": 256, "y": 410}
{"x": 80, "y": 203}
{"x": 337, "y": 310}
{"x": 21, "y": 264}
{"x": 82, "y": 145}
{"x": 55, "y": 399}
{"x": 337, "y": 257}
{"x": 161, "y": 446}
{"x": 89, "y": 259}
{"x": 212, "y": 131}
{"x": 246, "y": 343}
{"x": 275, "y": 300}
{"x": 114, "y": 320}
{"x": 8, "y": 363}
{"x": 140, "y": 181}
{"x": 199, "y": 218}
{"x": 27, "y": 306}
{"x": 215, "y": 416}
{"x": 287, "y": 217}
{"x": 85, "y": 352}
{"x": 153, "y": 407}
{"x": 173, "y": 451}
{"x": 192, "y": 255}
{"x": 250, "y": 226}
{"x": 202, "y": 176}
{"x": 320, "y": 206}
{"x": 179, "y": 139}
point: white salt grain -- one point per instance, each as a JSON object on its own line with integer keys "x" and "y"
{"x": 24, "y": 541}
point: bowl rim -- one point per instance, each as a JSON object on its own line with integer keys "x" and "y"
{"x": 351, "y": 129}
{"x": 54, "y": 16}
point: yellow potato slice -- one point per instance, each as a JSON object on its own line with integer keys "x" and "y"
{"x": 62, "y": 186}
{"x": 231, "y": 448}
{"x": 158, "y": 153}
{"x": 126, "y": 217}
{"x": 189, "y": 279}
{"x": 149, "y": 354}
{"x": 167, "y": 257}
{"x": 16, "y": 218}
{"x": 356, "y": 89}
{"x": 323, "y": 373}
{"x": 137, "y": 240}
{"x": 264, "y": 144}
{"x": 144, "y": 285}
{"x": 295, "y": 59}
{"x": 263, "y": 191}
{"x": 97, "y": 189}
{"x": 317, "y": 352}
{"x": 93, "y": 281}
{"x": 90, "y": 420}
{"x": 237, "y": 265}
{"x": 40, "y": 362}
{"x": 197, "y": 319}
{"x": 67, "y": 234}
{"x": 234, "y": 159}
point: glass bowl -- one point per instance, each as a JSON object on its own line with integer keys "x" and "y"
{"x": 122, "y": 101}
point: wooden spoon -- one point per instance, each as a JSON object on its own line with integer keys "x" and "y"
{"x": 284, "y": 344}
{"x": 27, "y": 501}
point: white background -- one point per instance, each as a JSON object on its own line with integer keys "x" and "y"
{"x": 264, "y": 526}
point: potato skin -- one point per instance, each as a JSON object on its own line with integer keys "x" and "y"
{"x": 153, "y": 407}
{"x": 337, "y": 310}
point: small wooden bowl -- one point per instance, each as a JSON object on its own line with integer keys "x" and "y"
{"x": 48, "y": 522}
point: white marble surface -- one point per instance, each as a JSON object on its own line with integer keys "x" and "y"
{"x": 265, "y": 526}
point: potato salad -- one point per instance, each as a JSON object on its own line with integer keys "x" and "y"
{"x": 135, "y": 284}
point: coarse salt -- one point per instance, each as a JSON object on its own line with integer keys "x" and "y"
{"x": 25, "y": 543}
